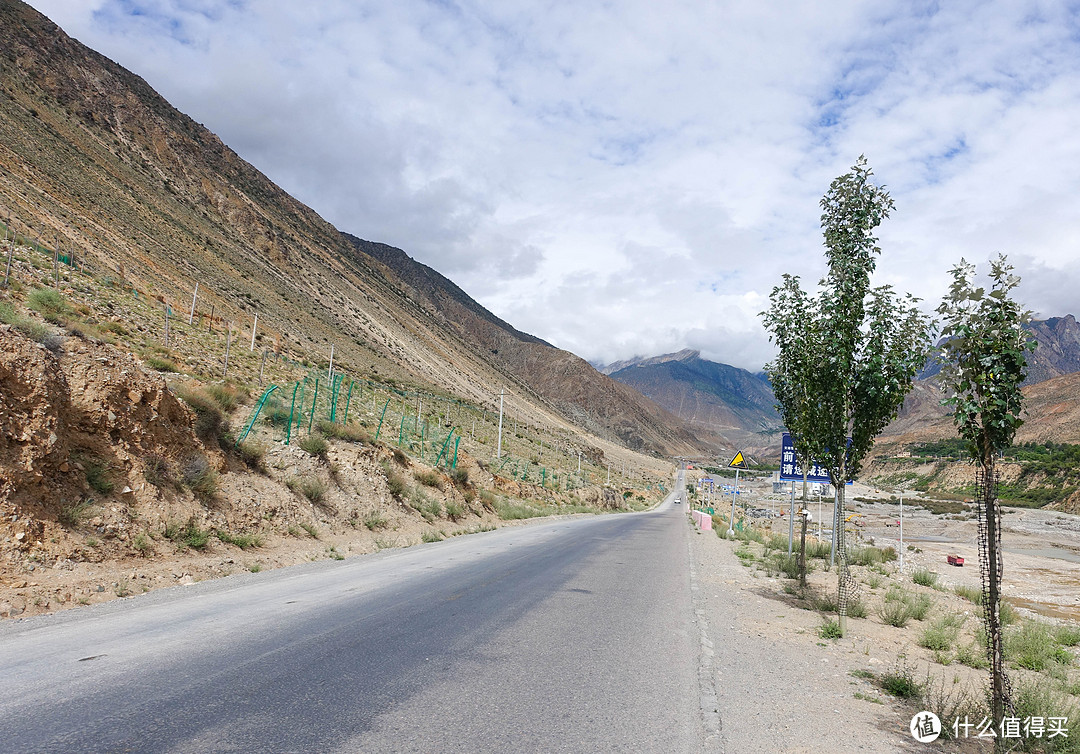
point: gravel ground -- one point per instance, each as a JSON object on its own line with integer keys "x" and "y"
{"x": 778, "y": 686}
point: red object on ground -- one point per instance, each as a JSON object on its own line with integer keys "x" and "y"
{"x": 955, "y": 560}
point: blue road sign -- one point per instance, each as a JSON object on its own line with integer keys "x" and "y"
{"x": 791, "y": 469}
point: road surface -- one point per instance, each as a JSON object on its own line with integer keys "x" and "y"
{"x": 569, "y": 636}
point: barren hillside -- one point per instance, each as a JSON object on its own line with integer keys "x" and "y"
{"x": 97, "y": 164}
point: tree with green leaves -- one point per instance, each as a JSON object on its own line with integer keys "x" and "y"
{"x": 791, "y": 322}
{"x": 983, "y": 357}
{"x": 859, "y": 350}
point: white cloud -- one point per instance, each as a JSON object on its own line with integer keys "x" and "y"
{"x": 634, "y": 178}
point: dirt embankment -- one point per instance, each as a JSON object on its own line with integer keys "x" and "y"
{"x": 72, "y": 416}
{"x": 106, "y": 489}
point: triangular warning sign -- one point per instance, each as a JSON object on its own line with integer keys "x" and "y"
{"x": 738, "y": 461}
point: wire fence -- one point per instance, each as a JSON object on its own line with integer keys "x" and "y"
{"x": 427, "y": 425}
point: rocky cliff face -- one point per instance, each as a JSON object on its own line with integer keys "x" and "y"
{"x": 1058, "y": 352}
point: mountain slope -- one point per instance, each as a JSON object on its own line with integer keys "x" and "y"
{"x": 1051, "y": 414}
{"x": 569, "y": 383}
{"x": 1057, "y": 352}
{"x": 702, "y": 392}
{"x": 96, "y": 162}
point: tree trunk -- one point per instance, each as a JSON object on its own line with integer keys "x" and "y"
{"x": 843, "y": 577}
{"x": 990, "y": 563}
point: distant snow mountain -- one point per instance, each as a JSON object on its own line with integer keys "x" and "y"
{"x": 702, "y": 392}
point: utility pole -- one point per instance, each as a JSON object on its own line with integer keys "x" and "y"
{"x": 901, "y": 533}
{"x": 228, "y": 345}
{"x": 191, "y": 316}
{"x": 11, "y": 252}
{"x": 498, "y": 451}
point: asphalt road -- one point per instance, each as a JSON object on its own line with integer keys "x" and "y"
{"x": 569, "y": 636}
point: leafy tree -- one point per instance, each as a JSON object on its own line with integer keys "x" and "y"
{"x": 983, "y": 361}
{"x": 860, "y": 348}
{"x": 791, "y": 322}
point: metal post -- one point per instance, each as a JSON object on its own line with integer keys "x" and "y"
{"x": 288, "y": 427}
{"x": 383, "y": 416}
{"x": 734, "y": 494}
{"x": 166, "y": 325}
{"x": 11, "y": 252}
{"x": 791, "y": 519}
{"x": 253, "y": 326}
{"x": 314, "y": 400}
{"x": 835, "y": 512}
{"x": 348, "y": 400}
{"x": 498, "y": 451}
{"x": 228, "y": 346}
{"x": 262, "y": 366}
{"x": 195, "y": 295}
{"x": 901, "y": 534}
{"x": 330, "y": 371}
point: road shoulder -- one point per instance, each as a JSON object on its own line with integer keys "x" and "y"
{"x": 778, "y": 686}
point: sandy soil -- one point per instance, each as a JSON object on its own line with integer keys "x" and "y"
{"x": 781, "y": 687}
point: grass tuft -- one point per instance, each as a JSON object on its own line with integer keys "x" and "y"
{"x": 316, "y": 445}
{"x": 901, "y": 683}
{"x": 72, "y": 515}
{"x": 310, "y": 487}
{"x": 50, "y": 305}
{"x": 428, "y": 478}
{"x": 375, "y": 521}
{"x": 924, "y": 577}
{"x": 830, "y": 629}
{"x": 201, "y": 478}
{"x": 243, "y": 541}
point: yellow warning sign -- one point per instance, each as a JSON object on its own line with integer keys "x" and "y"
{"x": 738, "y": 461}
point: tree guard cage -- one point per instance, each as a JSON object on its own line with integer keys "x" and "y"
{"x": 847, "y": 586}
{"x": 988, "y": 513}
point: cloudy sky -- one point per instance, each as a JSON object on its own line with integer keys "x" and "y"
{"x": 633, "y": 177}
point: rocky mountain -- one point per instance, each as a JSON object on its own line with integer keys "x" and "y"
{"x": 1057, "y": 353}
{"x": 94, "y": 162}
{"x": 706, "y": 394}
{"x": 1050, "y": 389}
{"x": 1051, "y": 414}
